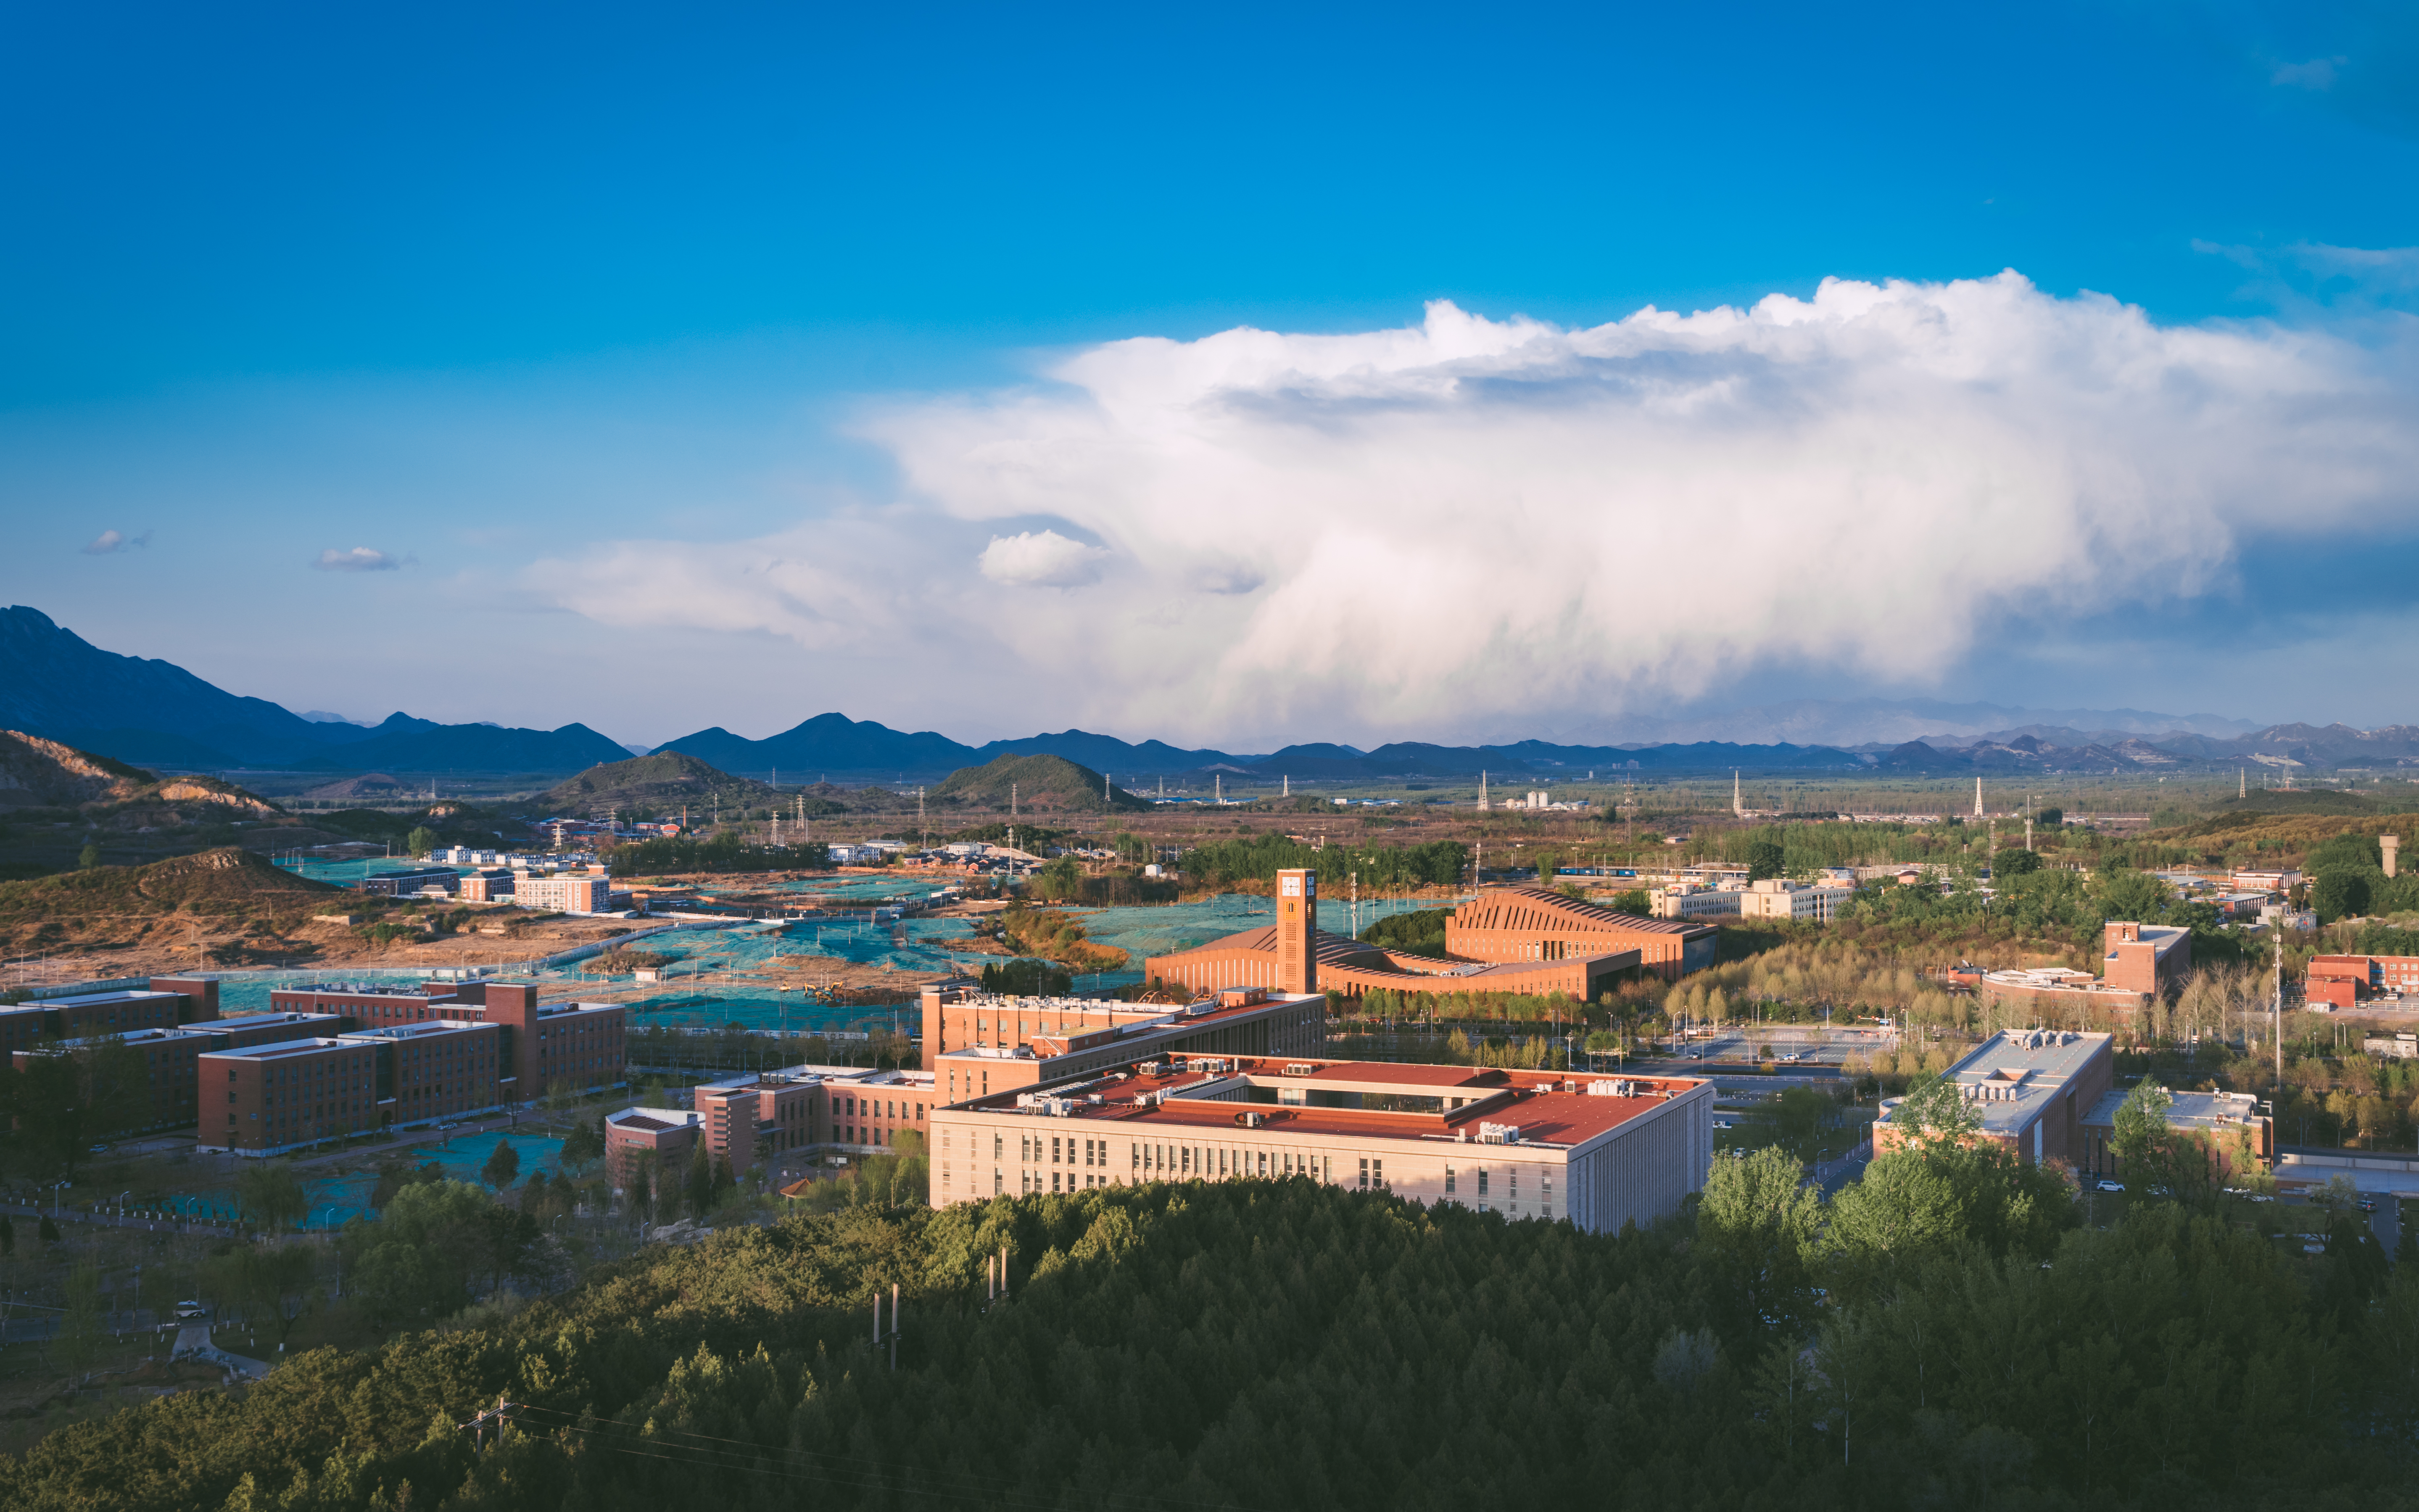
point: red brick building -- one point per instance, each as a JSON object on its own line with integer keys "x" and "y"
{"x": 664, "y": 1138}
{"x": 2344, "y": 980}
{"x": 1516, "y": 924}
{"x": 1294, "y": 955}
{"x": 2034, "y": 1091}
{"x": 2153, "y": 959}
{"x": 417, "y": 1074}
{"x": 777, "y": 1118}
{"x": 575, "y": 1048}
{"x": 1019, "y": 1041}
{"x": 1596, "y": 1152}
{"x": 265, "y": 1099}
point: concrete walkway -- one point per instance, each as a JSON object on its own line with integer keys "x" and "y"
{"x": 194, "y": 1343}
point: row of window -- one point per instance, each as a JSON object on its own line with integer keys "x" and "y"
{"x": 1178, "y": 1163}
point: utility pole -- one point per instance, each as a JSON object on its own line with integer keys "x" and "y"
{"x": 2276, "y": 1001}
{"x": 496, "y": 1416}
{"x": 891, "y": 1337}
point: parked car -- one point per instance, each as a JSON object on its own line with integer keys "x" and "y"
{"x": 191, "y": 1309}
{"x": 2111, "y": 1186}
{"x": 2366, "y": 1205}
{"x": 1722, "y": 1123}
{"x": 98, "y": 1150}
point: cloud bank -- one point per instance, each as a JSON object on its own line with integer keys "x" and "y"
{"x": 360, "y": 558}
{"x": 1470, "y": 521}
{"x": 109, "y": 543}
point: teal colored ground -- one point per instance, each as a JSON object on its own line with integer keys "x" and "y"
{"x": 349, "y": 874}
{"x": 336, "y": 1199}
{"x": 696, "y": 997}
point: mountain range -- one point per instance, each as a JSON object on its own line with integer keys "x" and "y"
{"x": 56, "y": 685}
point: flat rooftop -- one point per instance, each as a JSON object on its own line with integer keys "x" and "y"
{"x": 103, "y": 999}
{"x": 428, "y": 1028}
{"x": 372, "y": 989}
{"x": 1214, "y": 1093}
{"x": 2011, "y": 1077}
{"x": 652, "y": 1119}
{"x": 1137, "y": 1034}
{"x": 2055, "y": 979}
{"x": 2211, "y": 1111}
{"x": 282, "y": 1048}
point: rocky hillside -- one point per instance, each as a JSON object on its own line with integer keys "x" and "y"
{"x": 44, "y": 774}
{"x": 120, "y": 907}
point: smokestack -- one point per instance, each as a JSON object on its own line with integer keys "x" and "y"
{"x": 2389, "y": 843}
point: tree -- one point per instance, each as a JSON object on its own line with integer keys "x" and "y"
{"x": 1765, "y": 858}
{"x": 2012, "y": 863}
{"x": 1758, "y": 1219}
{"x": 48, "y": 1231}
{"x": 2142, "y": 1133}
{"x": 422, "y": 841}
{"x": 88, "y": 858}
{"x": 503, "y": 1166}
{"x": 2339, "y": 895}
{"x": 700, "y": 1182}
{"x": 273, "y": 1194}
{"x": 2125, "y": 893}
{"x": 81, "y": 1327}
{"x": 1934, "y": 1111}
{"x": 583, "y": 1145}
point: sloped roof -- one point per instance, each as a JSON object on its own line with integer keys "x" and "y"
{"x": 1542, "y": 908}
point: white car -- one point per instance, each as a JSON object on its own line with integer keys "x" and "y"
{"x": 191, "y": 1309}
{"x": 2111, "y": 1186}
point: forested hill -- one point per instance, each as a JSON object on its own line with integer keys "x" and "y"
{"x": 1281, "y": 1345}
{"x": 1042, "y": 783}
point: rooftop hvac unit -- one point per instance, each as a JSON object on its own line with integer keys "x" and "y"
{"x": 1498, "y": 1134}
{"x": 1299, "y": 1068}
{"x": 1613, "y": 1088}
{"x": 1148, "y": 1068}
{"x": 1251, "y": 1120}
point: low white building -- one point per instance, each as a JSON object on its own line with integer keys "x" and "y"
{"x": 1686, "y": 900}
{"x": 1779, "y": 898}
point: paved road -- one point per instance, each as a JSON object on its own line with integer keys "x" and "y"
{"x": 193, "y": 1342}
{"x": 69, "y": 1213}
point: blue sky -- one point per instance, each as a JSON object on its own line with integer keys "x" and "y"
{"x": 670, "y": 359}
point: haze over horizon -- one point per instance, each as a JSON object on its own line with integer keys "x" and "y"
{"x": 994, "y": 377}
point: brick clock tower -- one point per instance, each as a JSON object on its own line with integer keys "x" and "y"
{"x": 1297, "y": 931}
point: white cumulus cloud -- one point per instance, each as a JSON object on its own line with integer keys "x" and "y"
{"x": 108, "y": 543}
{"x": 1443, "y": 526}
{"x": 1041, "y": 558}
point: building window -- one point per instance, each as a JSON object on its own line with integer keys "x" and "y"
{"x": 1365, "y": 1173}
{"x": 1448, "y": 1181}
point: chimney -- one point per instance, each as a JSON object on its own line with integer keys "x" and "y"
{"x": 2389, "y": 843}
